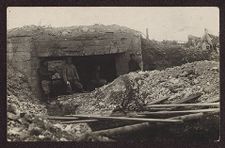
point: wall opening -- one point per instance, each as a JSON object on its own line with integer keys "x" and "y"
{"x": 86, "y": 65}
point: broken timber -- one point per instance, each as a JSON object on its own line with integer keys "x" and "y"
{"x": 127, "y": 118}
{"x": 178, "y": 112}
{"x": 117, "y": 131}
{"x": 140, "y": 126}
{"x": 79, "y": 121}
{"x": 60, "y": 118}
{"x": 188, "y": 117}
{"x": 184, "y": 105}
{"x": 188, "y": 98}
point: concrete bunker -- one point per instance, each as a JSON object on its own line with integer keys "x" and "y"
{"x": 106, "y": 46}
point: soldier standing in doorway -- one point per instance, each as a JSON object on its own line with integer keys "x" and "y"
{"x": 71, "y": 77}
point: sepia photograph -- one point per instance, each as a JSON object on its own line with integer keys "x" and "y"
{"x": 113, "y": 74}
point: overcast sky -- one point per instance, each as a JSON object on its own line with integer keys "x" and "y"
{"x": 164, "y": 23}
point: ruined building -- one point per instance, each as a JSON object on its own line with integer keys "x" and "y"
{"x": 107, "y": 46}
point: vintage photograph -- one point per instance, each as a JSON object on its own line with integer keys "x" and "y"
{"x": 111, "y": 74}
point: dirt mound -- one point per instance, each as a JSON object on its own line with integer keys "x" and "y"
{"x": 133, "y": 91}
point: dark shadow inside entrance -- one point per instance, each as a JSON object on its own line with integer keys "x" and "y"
{"x": 86, "y": 66}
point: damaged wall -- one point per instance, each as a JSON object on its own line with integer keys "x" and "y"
{"x": 22, "y": 56}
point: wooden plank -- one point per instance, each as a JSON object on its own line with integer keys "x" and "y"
{"x": 126, "y": 118}
{"x": 156, "y": 108}
{"x": 183, "y": 105}
{"x": 79, "y": 121}
{"x": 60, "y": 118}
{"x": 116, "y": 131}
{"x": 188, "y": 98}
{"x": 194, "y": 116}
{"x": 178, "y": 112}
{"x": 188, "y": 117}
{"x": 158, "y": 101}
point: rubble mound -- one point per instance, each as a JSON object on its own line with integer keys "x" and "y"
{"x": 131, "y": 92}
{"x": 19, "y": 95}
{"x": 26, "y": 113}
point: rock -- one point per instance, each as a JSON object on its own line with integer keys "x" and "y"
{"x": 63, "y": 139}
{"x": 12, "y": 108}
{"x": 208, "y": 89}
{"x": 195, "y": 81}
{"x": 15, "y": 131}
{"x": 35, "y": 131}
{"x": 12, "y": 116}
{"x": 101, "y": 104}
{"x": 215, "y": 68}
{"x": 41, "y": 136}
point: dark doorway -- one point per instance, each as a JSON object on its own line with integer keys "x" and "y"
{"x": 86, "y": 66}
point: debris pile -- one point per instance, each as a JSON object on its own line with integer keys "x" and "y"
{"x": 25, "y": 115}
{"x": 131, "y": 92}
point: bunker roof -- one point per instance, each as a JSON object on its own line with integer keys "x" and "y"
{"x": 48, "y": 32}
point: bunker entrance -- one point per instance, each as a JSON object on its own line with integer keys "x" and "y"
{"x": 86, "y": 67}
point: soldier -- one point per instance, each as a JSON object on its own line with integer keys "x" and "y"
{"x": 133, "y": 64}
{"x": 71, "y": 77}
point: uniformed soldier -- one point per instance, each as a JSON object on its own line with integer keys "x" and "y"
{"x": 71, "y": 77}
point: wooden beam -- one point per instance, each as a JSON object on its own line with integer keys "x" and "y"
{"x": 188, "y": 98}
{"x": 59, "y": 118}
{"x": 183, "y": 105}
{"x": 188, "y": 117}
{"x": 127, "y": 118}
{"x": 157, "y": 108}
{"x": 79, "y": 121}
{"x": 178, "y": 112}
{"x": 115, "y": 131}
